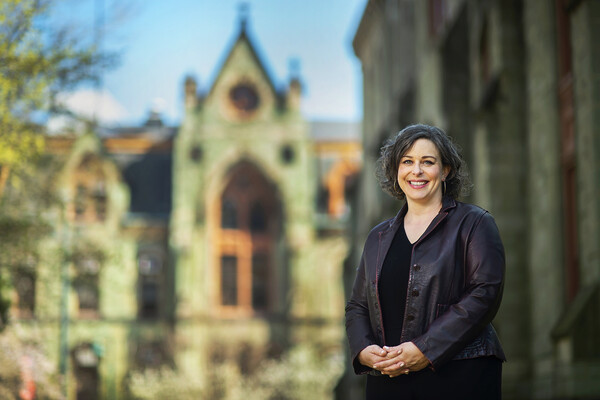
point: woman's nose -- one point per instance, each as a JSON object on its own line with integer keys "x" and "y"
{"x": 416, "y": 168}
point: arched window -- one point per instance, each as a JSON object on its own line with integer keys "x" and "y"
{"x": 86, "y": 360}
{"x": 89, "y": 190}
{"x": 258, "y": 218}
{"x": 228, "y": 214}
{"x": 99, "y": 199}
{"x": 336, "y": 183}
{"x": 86, "y": 283}
{"x": 150, "y": 278}
{"x": 260, "y": 281}
{"x": 80, "y": 201}
{"x": 229, "y": 281}
{"x": 24, "y": 284}
{"x": 245, "y": 248}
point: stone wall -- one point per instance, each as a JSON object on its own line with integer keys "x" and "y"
{"x": 488, "y": 75}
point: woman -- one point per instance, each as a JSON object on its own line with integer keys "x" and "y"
{"x": 429, "y": 282}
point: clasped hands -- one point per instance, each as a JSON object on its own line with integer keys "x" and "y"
{"x": 393, "y": 361}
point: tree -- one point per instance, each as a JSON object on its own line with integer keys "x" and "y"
{"x": 23, "y": 223}
{"x": 38, "y": 60}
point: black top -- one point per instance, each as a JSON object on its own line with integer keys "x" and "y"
{"x": 393, "y": 284}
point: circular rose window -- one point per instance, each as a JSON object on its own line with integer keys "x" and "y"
{"x": 244, "y": 98}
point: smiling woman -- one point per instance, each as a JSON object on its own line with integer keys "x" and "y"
{"x": 429, "y": 283}
{"x": 421, "y": 174}
{"x": 457, "y": 178}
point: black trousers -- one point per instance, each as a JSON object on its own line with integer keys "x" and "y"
{"x": 473, "y": 379}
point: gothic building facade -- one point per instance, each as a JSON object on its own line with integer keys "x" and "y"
{"x": 221, "y": 240}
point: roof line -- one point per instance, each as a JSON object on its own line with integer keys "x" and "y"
{"x": 243, "y": 35}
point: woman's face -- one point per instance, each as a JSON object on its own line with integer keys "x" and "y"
{"x": 420, "y": 173}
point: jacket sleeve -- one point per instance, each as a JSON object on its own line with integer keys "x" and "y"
{"x": 358, "y": 326}
{"x": 462, "y": 322}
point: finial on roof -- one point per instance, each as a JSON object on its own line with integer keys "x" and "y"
{"x": 295, "y": 86}
{"x": 294, "y": 68}
{"x": 244, "y": 10}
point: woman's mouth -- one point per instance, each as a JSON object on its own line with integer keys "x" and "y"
{"x": 417, "y": 184}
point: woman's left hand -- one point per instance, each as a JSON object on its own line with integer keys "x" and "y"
{"x": 402, "y": 359}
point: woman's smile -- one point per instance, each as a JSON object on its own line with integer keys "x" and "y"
{"x": 421, "y": 173}
{"x": 418, "y": 184}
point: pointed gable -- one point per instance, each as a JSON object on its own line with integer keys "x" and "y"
{"x": 243, "y": 88}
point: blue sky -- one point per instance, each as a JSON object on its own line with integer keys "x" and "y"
{"x": 163, "y": 41}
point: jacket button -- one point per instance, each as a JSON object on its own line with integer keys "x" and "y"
{"x": 416, "y": 267}
{"x": 415, "y": 293}
{"x": 410, "y": 317}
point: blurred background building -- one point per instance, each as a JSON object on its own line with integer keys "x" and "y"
{"x": 517, "y": 85}
{"x": 216, "y": 243}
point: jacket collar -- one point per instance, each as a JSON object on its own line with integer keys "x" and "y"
{"x": 447, "y": 204}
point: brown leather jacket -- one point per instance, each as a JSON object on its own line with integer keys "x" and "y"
{"x": 454, "y": 287}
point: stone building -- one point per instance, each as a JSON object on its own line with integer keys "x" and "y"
{"x": 221, "y": 240}
{"x": 517, "y": 85}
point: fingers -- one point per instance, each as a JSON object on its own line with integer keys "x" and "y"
{"x": 389, "y": 365}
{"x": 393, "y": 351}
{"x": 372, "y": 355}
{"x": 380, "y": 352}
{"x": 398, "y": 373}
{"x": 396, "y": 370}
{"x": 396, "y": 367}
{"x": 376, "y": 350}
{"x": 393, "y": 361}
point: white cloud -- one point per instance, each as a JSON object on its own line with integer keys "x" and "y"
{"x": 91, "y": 104}
{"x": 57, "y": 125}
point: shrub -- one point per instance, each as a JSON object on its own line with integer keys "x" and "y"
{"x": 299, "y": 374}
{"x": 17, "y": 356}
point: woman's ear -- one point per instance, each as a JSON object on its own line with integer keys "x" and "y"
{"x": 446, "y": 172}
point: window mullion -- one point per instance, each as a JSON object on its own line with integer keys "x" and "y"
{"x": 245, "y": 270}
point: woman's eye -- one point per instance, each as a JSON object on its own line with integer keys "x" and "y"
{"x": 428, "y": 162}
{"x": 407, "y": 162}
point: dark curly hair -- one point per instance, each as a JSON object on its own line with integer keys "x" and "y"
{"x": 457, "y": 181}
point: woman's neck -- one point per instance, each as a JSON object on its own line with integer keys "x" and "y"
{"x": 419, "y": 217}
{"x": 419, "y": 210}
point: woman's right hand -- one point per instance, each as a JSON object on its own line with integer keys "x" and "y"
{"x": 371, "y": 355}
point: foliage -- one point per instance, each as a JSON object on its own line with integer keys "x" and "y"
{"x": 299, "y": 374}
{"x": 163, "y": 384}
{"x": 23, "y": 222}
{"x": 4, "y": 300}
{"x": 18, "y": 360}
{"x": 37, "y": 61}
